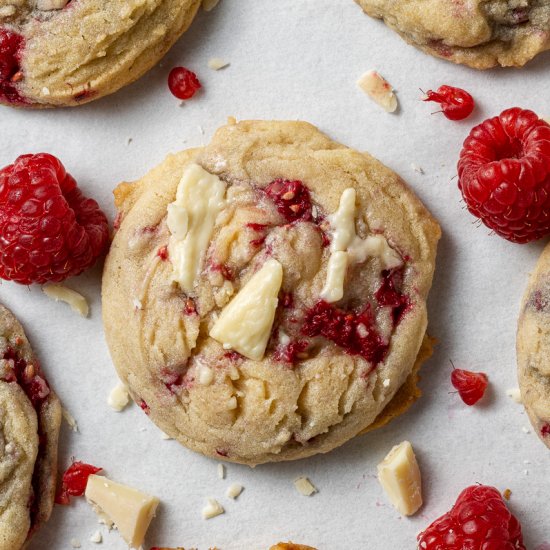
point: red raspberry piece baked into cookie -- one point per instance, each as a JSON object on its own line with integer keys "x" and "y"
{"x": 289, "y": 307}
{"x": 504, "y": 174}
{"x": 479, "y": 520}
{"x": 48, "y": 229}
{"x": 63, "y": 53}
{"x": 29, "y": 426}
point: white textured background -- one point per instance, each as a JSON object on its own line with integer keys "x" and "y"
{"x": 299, "y": 60}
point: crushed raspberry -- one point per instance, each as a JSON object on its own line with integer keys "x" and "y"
{"x": 286, "y": 299}
{"x": 11, "y": 46}
{"x": 48, "y": 230}
{"x": 291, "y": 352}
{"x": 144, "y": 407}
{"x": 479, "y": 520}
{"x": 84, "y": 95}
{"x": 190, "y": 308}
{"x": 28, "y": 376}
{"x": 388, "y": 294}
{"x": 225, "y": 270}
{"x": 355, "y": 332}
{"x": 162, "y": 253}
{"x": 171, "y": 379}
{"x": 232, "y": 355}
{"x": 291, "y": 198}
{"x": 222, "y": 452}
{"x": 456, "y": 103}
{"x": 504, "y": 174}
{"x": 471, "y": 386}
{"x": 183, "y": 83}
{"x": 74, "y": 481}
{"x": 545, "y": 430}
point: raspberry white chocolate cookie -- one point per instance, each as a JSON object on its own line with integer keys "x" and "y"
{"x": 478, "y": 33}
{"x": 30, "y": 415}
{"x": 533, "y": 348}
{"x": 264, "y": 298}
{"x": 68, "y": 52}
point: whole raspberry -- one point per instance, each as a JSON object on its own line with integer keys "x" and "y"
{"x": 479, "y": 520}
{"x": 504, "y": 174}
{"x": 48, "y": 230}
{"x": 183, "y": 83}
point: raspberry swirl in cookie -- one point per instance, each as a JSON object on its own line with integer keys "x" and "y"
{"x": 30, "y": 415}
{"x": 265, "y": 297}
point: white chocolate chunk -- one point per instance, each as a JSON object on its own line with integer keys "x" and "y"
{"x": 212, "y": 509}
{"x": 191, "y": 220}
{"x": 205, "y": 375}
{"x": 245, "y": 323}
{"x": 514, "y": 394}
{"x": 374, "y": 245}
{"x": 399, "y": 475}
{"x": 305, "y": 487}
{"x": 379, "y": 90}
{"x": 130, "y": 510}
{"x": 97, "y": 537}
{"x": 46, "y": 5}
{"x": 215, "y": 63}
{"x": 221, "y": 471}
{"x": 336, "y": 274}
{"x": 234, "y": 490}
{"x": 343, "y": 221}
{"x": 119, "y": 397}
{"x": 61, "y": 293}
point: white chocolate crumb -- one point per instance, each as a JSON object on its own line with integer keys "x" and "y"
{"x": 45, "y": 91}
{"x": 386, "y": 382}
{"x": 221, "y": 471}
{"x": 525, "y": 430}
{"x": 119, "y": 397}
{"x": 212, "y": 509}
{"x": 97, "y": 537}
{"x": 379, "y": 90}
{"x": 216, "y": 63}
{"x": 305, "y": 487}
{"x": 526, "y": 472}
{"x": 514, "y": 394}
{"x": 234, "y": 490}
{"x": 165, "y": 436}
{"x": 209, "y": 5}
{"x": 75, "y": 543}
{"x": 137, "y": 304}
{"x": 417, "y": 168}
{"x": 69, "y": 419}
{"x": 61, "y": 293}
{"x": 205, "y": 375}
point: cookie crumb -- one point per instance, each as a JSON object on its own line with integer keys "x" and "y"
{"x": 305, "y": 487}
{"x": 379, "y": 90}
{"x": 75, "y": 543}
{"x": 209, "y": 5}
{"x": 97, "y": 537}
{"x": 234, "y": 490}
{"x": 514, "y": 394}
{"x": 215, "y": 63}
{"x": 137, "y": 304}
{"x": 119, "y": 397}
{"x": 69, "y": 419}
{"x": 507, "y": 494}
{"x": 221, "y": 471}
{"x": 212, "y": 509}
{"x": 61, "y": 293}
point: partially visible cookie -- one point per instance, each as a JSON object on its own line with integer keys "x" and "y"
{"x": 30, "y": 416}
{"x": 63, "y": 52}
{"x": 478, "y": 33}
{"x": 291, "y": 546}
{"x": 533, "y": 348}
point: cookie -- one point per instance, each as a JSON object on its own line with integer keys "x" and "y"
{"x": 478, "y": 33}
{"x": 533, "y": 348}
{"x": 264, "y": 297}
{"x": 63, "y": 52}
{"x": 30, "y": 416}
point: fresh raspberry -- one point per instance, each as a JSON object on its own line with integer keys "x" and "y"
{"x": 479, "y": 520}
{"x": 471, "y": 386}
{"x": 74, "y": 481}
{"x": 183, "y": 83}
{"x": 48, "y": 230}
{"x": 11, "y": 45}
{"x": 456, "y": 103}
{"x": 291, "y": 198}
{"x": 504, "y": 174}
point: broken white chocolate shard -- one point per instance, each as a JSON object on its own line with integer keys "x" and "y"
{"x": 209, "y": 5}
{"x": 61, "y": 293}
{"x": 118, "y": 398}
{"x": 212, "y": 509}
{"x": 379, "y": 90}
{"x": 191, "y": 220}
{"x": 234, "y": 490}
{"x": 336, "y": 274}
{"x": 305, "y": 487}
{"x": 245, "y": 323}
{"x": 399, "y": 475}
{"x": 215, "y": 63}
{"x": 514, "y": 394}
{"x": 130, "y": 510}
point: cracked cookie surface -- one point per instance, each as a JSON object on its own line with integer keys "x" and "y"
{"x": 478, "y": 33}
{"x": 30, "y": 416}
{"x": 329, "y": 365}
{"x": 533, "y": 348}
{"x": 69, "y": 52}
